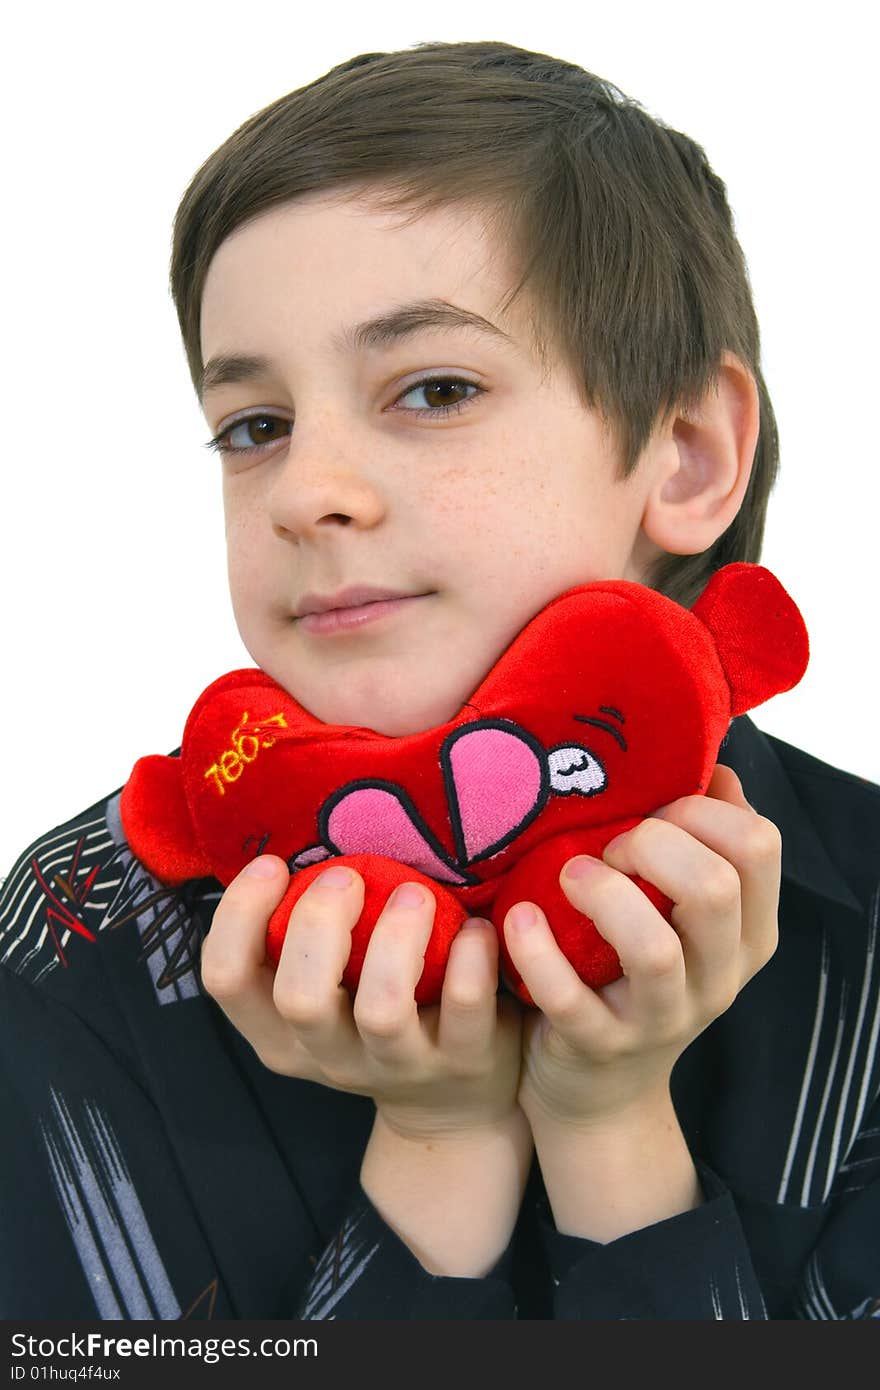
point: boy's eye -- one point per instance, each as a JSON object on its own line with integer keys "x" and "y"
{"x": 253, "y": 433}
{"x": 432, "y": 387}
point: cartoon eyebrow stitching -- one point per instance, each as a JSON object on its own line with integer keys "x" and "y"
{"x": 603, "y": 724}
{"x": 261, "y": 844}
{"x": 609, "y": 709}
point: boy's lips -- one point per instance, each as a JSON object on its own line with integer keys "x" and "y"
{"x": 356, "y": 615}
{"x": 355, "y": 596}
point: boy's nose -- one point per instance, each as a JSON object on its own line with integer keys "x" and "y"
{"x": 308, "y": 497}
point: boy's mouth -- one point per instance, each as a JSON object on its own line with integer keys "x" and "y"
{"x": 355, "y": 596}
{"x": 351, "y": 608}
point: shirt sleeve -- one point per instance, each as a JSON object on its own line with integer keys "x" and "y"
{"x": 692, "y": 1266}
{"x": 368, "y": 1272}
{"x": 840, "y": 1279}
{"x": 95, "y": 1219}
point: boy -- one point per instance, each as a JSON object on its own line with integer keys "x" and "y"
{"x": 469, "y": 329}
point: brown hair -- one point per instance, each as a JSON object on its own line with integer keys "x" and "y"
{"x": 621, "y": 228}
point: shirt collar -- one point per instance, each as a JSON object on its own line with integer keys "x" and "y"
{"x": 767, "y": 787}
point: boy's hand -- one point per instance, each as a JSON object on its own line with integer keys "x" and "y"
{"x": 447, "y": 1068}
{"x": 592, "y": 1057}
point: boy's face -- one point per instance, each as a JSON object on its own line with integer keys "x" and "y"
{"x": 481, "y": 514}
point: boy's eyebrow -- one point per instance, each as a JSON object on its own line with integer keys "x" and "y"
{"x": 231, "y": 368}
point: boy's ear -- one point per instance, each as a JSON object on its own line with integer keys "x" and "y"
{"x": 703, "y": 463}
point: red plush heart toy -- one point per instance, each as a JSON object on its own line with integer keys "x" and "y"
{"x": 610, "y": 703}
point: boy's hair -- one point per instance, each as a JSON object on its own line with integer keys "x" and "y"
{"x": 620, "y": 227}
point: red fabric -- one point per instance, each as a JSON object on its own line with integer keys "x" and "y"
{"x": 610, "y": 703}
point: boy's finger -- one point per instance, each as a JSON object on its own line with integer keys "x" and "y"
{"x": 469, "y": 1004}
{"x": 579, "y": 1013}
{"x": 234, "y": 950}
{"x": 650, "y": 950}
{"x": 385, "y": 1010}
{"x": 236, "y": 973}
{"x": 703, "y": 886}
{"x": 750, "y": 843}
{"x": 725, "y": 785}
{"x": 308, "y": 991}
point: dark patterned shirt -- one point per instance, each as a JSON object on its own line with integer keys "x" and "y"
{"x": 152, "y": 1167}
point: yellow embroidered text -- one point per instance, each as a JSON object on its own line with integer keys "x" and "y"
{"x": 245, "y": 747}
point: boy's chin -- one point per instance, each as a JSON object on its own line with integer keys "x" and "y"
{"x": 394, "y": 714}
{"x": 404, "y": 725}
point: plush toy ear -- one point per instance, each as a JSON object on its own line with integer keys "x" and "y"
{"x": 157, "y": 823}
{"x": 758, "y": 630}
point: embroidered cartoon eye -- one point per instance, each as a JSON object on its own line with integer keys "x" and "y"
{"x": 575, "y": 770}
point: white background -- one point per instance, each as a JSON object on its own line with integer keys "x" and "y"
{"x": 115, "y": 607}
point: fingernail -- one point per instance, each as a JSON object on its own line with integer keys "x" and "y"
{"x": 618, "y": 839}
{"x": 522, "y": 917}
{"x": 332, "y": 880}
{"x": 581, "y": 866}
{"x": 408, "y": 895}
{"x": 261, "y": 868}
